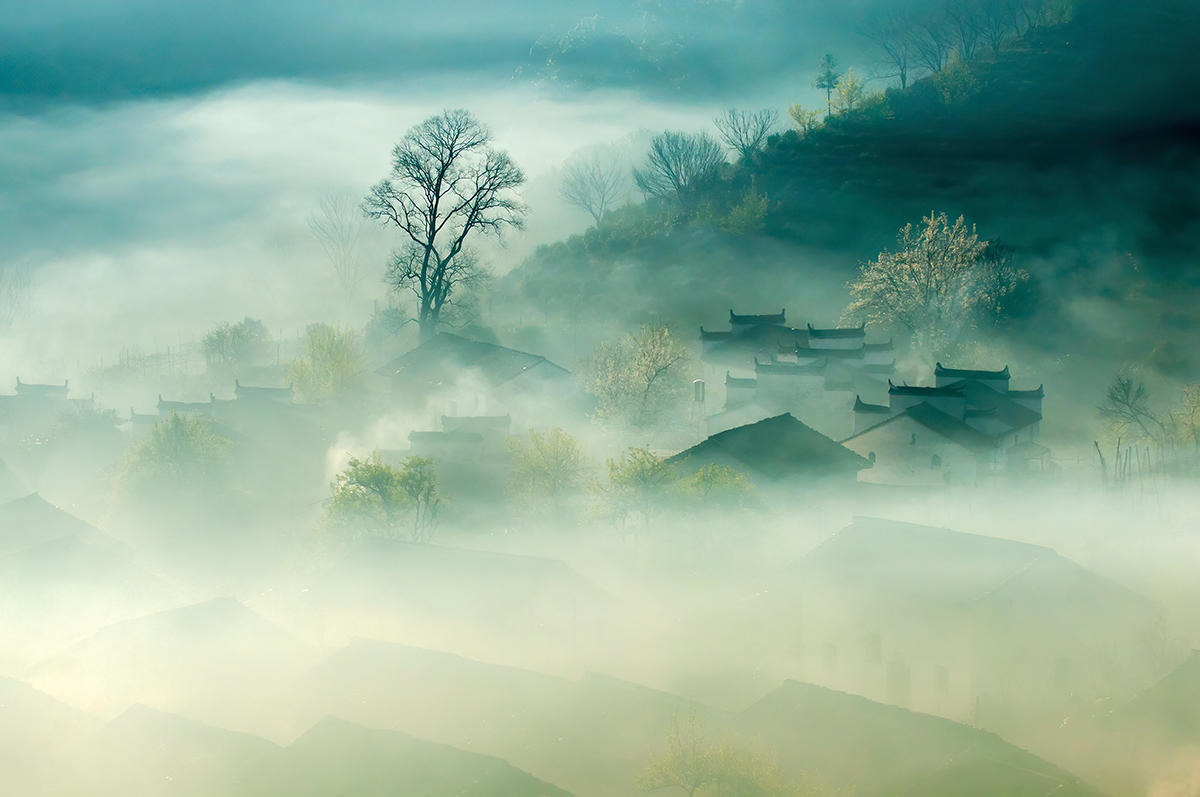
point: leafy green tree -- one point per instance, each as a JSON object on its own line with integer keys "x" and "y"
{"x": 827, "y": 80}
{"x": 639, "y": 481}
{"x": 806, "y": 121}
{"x": 716, "y": 484}
{"x": 545, "y": 469}
{"x": 230, "y": 348}
{"x": 179, "y": 453}
{"x": 331, "y": 369}
{"x": 638, "y": 379}
{"x": 395, "y": 503}
{"x": 954, "y": 82}
{"x": 941, "y": 281}
{"x": 748, "y": 216}
{"x": 849, "y": 91}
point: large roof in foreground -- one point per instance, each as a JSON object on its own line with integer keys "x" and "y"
{"x": 444, "y": 356}
{"x": 776, "y": 448}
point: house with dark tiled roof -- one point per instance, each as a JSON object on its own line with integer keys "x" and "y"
{"x": 456, "y": 376}
{"x": 34, "y": 409}
{"x": 776, "y": 451}
{"x": 941, "y": 621}
{"x": 812, "y": 373}
{"x": 968, "y": 425}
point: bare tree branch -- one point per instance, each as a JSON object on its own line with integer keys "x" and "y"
{"x": 594, "y": 182}
{"x": 338, "y": 226}
{"x": 745, "y": 132}
{"x": 680, "y": 167}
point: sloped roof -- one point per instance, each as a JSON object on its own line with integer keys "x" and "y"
{"x": 837, "y": 354}
{"x": 968, "y": 373}
{"x": 211, "y": 656}
{"x": 789, "y": 369}
{"x": 1167, "y": 712}
{"x": 906, "y": 558}
{"x": 590, "y": 734}
{"x": 441, "y": 358}
{"x": 284, "y": 394}
{"x": 776, "y": 448}
{"x": 955, "y": 390}
{"x": 739, "y": 382}
{"x": 777, "y": 319}
{"x": 815, "y": 729}
{"x": 1038, "y": 393}
{"x": 11, "y": 486}
{"x": 1010, "y": 413}
{"x": 45, "y": 390}
{"x": 859, "y": 331}
{"x": 340, "y": 757}
{"x": 940, "y": 422}
{"x": 874, "y": 409}
{"x": 32, "y": 520}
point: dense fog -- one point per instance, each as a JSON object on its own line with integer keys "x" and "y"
{"x": 693, "y": 396}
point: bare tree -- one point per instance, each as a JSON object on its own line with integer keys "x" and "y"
{"x": 594, "y": 182}
{"x": 964, "y": 20}
{"x": 447, "y": 183}
{"x": 454, "y": 295}
{"x": 1127, "y": 403}
{"x": 894, "y": 37}
{"x": 16, "y": 292}
{"x": 998, "y": 23}
{"x": 679, "y": 167}
{"x": 338, "y": 226}
{"x": 933, "y": 41}
{"x": 745, "y": 132}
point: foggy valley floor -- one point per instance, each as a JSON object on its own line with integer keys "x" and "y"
{"x": 1047, "y": 616}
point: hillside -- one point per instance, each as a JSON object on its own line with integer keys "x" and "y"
{"x": 1075, "y": 146}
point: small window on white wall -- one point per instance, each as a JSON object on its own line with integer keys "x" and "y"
{"x": 935, "y": 462}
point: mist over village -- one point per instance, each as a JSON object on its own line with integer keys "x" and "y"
{"x": 709, "y": 398}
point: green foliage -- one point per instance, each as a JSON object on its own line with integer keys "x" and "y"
{"x": 827, "y": 79}
{"x": 940, "y": 282}
{"x": 331, "y": 369}
{"x": 637, "y": 482}
{"x": 954, "y": 82}
{"x": 848, "y": 92}
{"x": 716, "y": 484}
{"x": 545, "y": 470}
{"x": 748, "y": 216}
{"x": 393, "y": 503}
{"x": 721, "y": 768}
{"x": 230, "y": 348}
{"x": 640, "y": 379}
{"x": 806, "y": 121}
{"x": 875, "y": 105}
{"x": 179, "y": 452}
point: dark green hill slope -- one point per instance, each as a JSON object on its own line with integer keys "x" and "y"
{"x": 1079, "y": 146}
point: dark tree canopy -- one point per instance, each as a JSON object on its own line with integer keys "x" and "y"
{"x": 447, "y": 184}
{"x": 679, "y": 167}
{"x": 827, "y": 80}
